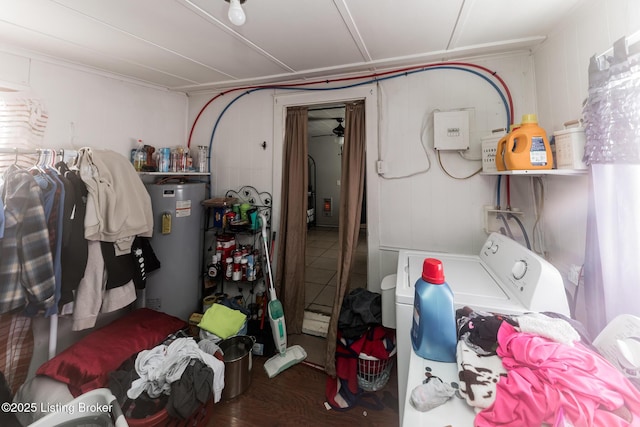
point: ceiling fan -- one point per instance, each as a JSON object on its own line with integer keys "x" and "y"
{"x": 337, "y": 131}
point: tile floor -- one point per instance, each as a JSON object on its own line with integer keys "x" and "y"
{"x": 320, "y": 281}
{"x": 321, "y": 260}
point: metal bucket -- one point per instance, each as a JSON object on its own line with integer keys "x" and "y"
{"x": 237, "y": 365}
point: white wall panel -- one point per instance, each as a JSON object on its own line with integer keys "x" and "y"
{"x": 237, "y": 156}
{"x": 92, "y": 110}
{"x": 429, "y": 211}
{"x": 14, "y": 71}
{"x": 433, "y": 211}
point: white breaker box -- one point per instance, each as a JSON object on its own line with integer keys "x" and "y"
{"x": 451, "y": 130}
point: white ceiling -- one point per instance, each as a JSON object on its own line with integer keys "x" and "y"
{"x": 190, "y": 45}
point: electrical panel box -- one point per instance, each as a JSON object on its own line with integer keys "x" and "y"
{"x": 451, "y": 130}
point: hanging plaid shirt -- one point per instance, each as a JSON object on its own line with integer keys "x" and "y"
{"x": 26, "y": 264}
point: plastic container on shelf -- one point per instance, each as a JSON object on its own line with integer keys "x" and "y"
{"x": 164, "y": 159}
{"x": 139, "y": 156}
{"x": 501, "y": 147}
{"x": 203, "y": 160}
{"x": 527, "y": 147}
{"x": 570, "y": 146}
{"x": 489, "y": 150}
{"x": 433, "y": 332}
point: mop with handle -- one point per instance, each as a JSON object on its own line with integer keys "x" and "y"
{"x": 285, "y": 357}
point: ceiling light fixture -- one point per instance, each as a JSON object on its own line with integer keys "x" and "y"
{"x": 236, "y": 14}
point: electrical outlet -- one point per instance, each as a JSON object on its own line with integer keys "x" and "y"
{"x": 497, "y": 220}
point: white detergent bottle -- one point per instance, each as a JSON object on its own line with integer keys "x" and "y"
{"x": 434, "y": 332}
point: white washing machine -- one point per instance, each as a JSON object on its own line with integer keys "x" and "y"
{"x": 504, "y": 278}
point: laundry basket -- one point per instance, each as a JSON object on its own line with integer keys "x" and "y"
{"x": 373, "y": 373}
{"x": 200, "y": 418}
{"x": 96, "y": 408}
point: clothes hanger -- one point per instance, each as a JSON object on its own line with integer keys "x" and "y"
{"x": 38, "y": 164}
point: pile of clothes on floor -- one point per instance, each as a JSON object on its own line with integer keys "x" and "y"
{"x": 178, "y": 375}
{"x": 360, "y": 335}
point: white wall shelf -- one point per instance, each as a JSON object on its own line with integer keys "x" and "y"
{"x": 535, "y": 172}
{"x": 175, "y": 173}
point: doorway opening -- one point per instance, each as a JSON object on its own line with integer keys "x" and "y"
{"x": 369, "y": 228}
{"x": 325, "y": 145}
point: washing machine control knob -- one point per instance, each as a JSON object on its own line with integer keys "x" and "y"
{"x": 494, "y": 248}
{"x": 519, "y": 269}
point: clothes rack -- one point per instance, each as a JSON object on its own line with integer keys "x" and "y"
{"x": 61, "y": 153}
{"x": 64, "y": 155}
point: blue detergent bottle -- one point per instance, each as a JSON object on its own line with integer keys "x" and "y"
{"x": 434, "y": 332}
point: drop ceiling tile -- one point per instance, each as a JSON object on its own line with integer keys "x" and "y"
{"x": 303, "y": 34}
{"x": 501, "y": 20}
{"x": 60, "y": 50}
{"x": 399, "y": 28}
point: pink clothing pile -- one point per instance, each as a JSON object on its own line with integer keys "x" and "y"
{"x": 545, "y": 377}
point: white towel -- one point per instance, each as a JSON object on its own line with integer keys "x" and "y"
{"x": 556, "y": 329}
{"x": 148, "y": 366}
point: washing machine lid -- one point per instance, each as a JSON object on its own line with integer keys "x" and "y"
{"x": 472, "y": 282}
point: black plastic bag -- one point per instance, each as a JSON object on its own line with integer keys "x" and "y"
{"x": 360, "y": 309}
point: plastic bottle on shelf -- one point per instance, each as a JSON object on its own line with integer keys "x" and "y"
{"x": 164, "y": 159}
{"x": 434, "y": 332}
{"x": 140, "y": 156}
{"x": 228, "y": 269}
{"x": 203, "y": 161}
{"x": 502, "y": 147}
{"x": 174, "y": 164}
{"x": 244, "y": 267}
{"x": 181, "y": 160}
{"x": 251, "y": 271}
{"x": 213, "y": 268}
{"x": 237, "y": 272}
{"x": 527, "y": 147}
{"x": 188, "y": 161}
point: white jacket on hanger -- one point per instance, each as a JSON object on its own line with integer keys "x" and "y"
{"x": 118, "y": 204}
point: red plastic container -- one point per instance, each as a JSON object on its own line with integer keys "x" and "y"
{"x": 200, "y": 418}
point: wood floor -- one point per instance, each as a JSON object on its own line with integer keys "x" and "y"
{"x": 296, "y": 397}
